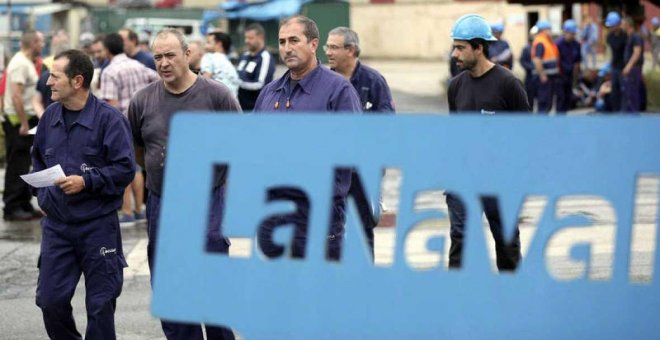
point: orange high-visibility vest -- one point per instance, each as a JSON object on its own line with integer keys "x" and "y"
{"x": 550, "y": 55}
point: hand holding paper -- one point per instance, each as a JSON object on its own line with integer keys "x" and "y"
{"x": 44, "y": 178}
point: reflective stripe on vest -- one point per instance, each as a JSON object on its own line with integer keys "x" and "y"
{"x": 550, "y": 56}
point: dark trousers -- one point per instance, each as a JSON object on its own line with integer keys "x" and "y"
{"x": 299, "y": 221}
{"x": 508, "y": 252}
{"x": 633, "y": 91}
{"x": 365, "y": 211}
{"x": 617, "y": 90}
{"x": 215, "y": 243}
{"x": 547, "y": 92}
{"x": 17, "y": 193}
{"x": 565, "y": 94}
{"x": 94, "y": 249}
{"x": 530, "y": 88}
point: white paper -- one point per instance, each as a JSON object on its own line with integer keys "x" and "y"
{"x": 32, "y": 131}
{"x": 44, "y": 178}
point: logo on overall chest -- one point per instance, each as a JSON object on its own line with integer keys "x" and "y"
{"x": 85, "y": 168}
{"x": 105, "y": 251}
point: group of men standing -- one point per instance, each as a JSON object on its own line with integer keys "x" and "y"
{"x": 101, "y": 140}
{"x": 553, "y": 67}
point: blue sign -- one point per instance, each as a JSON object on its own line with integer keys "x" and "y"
{"x": 511, "y": 157}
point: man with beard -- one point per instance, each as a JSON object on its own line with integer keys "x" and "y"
{"x": 255, "y": 68}
{"x": 488, "y": 89}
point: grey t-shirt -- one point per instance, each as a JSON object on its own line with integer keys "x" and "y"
{"x": 151, "y": 109}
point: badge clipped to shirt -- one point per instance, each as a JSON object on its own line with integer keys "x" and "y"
{"x": 241, "y": 65}
{"x": 250, "y": 67}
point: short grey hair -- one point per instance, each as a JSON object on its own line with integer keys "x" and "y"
{"x": 176, "y": 33}
{"x": 350, "y": 38}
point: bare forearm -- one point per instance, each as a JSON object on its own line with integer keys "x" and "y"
{"x": 19, "y": 106}
{"x": 38, "y": 106}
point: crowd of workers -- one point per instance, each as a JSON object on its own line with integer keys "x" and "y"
{"x": 564, "y": 71}
{"x": 102, "y": 112}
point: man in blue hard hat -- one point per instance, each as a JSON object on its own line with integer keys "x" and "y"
{"x": 545, "y": 56}
{"x": 499, "y": 50}
{"x": 528, "y": 65}
{"x": 604, "y": 89}
{"x": 485, "y": 88}
{"x": 569, "y": 64}
{"x": 616, "y": 40}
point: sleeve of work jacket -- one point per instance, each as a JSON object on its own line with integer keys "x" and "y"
{"x": 346, "y": 100}
{"x": 119, "y": 168}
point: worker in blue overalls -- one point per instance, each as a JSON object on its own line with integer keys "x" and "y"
{"x": 570, "y": 58}
{"x": 343, "y": 51}
{"x": 91, "y": 142}
{"x": 499, "y": 51}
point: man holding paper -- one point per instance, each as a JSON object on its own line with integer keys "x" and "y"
{"x": 91, "y": 142}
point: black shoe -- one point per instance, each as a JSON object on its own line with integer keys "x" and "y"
{"x": 18, "y": 215}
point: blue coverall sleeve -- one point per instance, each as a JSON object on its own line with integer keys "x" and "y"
{"x": 526, "y": 59}
{"x": 382, "y": 92}
{"x": 538, "y": 53}
{"x": 119, "y": 170}
{"x": 347, "y": 100}
{"x": 38, "y": 163}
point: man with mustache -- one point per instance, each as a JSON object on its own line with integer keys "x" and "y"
{"x": 486, "y": 88}
{"x": 306, "y": 87}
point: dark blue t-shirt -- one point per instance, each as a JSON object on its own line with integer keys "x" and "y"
{"x": 617, "y": 42}
{"x": 147, "y": 59}
{"x": 44, "y": 89}
{"x": 635, "y": 39}
{"x": 569, "y": 55}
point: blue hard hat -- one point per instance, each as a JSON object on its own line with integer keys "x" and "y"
{"x": 497, "y": 27}
{"x": 570, "y": 26}
{"x": 655, "y": 21}
{"x": 604, "y": 70}
{"x": 543, "y": 25}
{"x": 472, "y": 26}
{"x": 612, "y": 19}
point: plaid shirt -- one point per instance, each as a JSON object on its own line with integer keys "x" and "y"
{"x": 124, "y": 77}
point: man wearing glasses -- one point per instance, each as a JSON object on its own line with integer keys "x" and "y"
{"x": 343, "y": 50}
